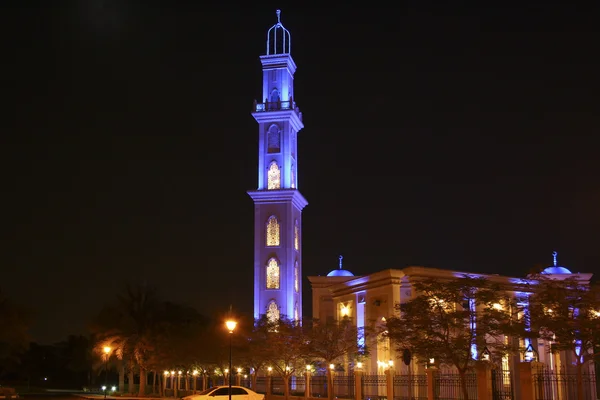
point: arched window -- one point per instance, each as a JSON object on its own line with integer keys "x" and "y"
{"x": 272, "y": 231}
{"x": 296, "y": 313}
{"x": 273, "y": 274}
{"x": 296, "y": 236}
{"x": 296, "y": 278}
{"x": 293, "y": 177}
{"x": 275, "y": 95}
{"x": 273, "y": 139}
{"x": 274, "y": 177}
{"x": 272, "y": 311}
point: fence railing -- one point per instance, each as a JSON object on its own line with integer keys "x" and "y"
{"x": 410, "y": 387}
{"x": 561, "y": 385}
{"x": 450, "y": 386}
{"x": 485, "y": 383}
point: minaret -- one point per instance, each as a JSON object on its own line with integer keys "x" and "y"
{"x": 277, "y": 202}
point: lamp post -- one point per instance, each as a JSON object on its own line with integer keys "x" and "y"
{"x": 230, "y": 324}
{"x": 107, "y": 350}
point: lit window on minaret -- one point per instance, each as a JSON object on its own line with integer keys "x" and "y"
{"x": 273, "y": 139}
{"x": 296, "y": 236}
{"x": 296, "y": 278}
{"x": 273, "y": 274}
{"x": 293, "y": 177}
{"x": 296, "y": 316}
{"x": 274, "y": 177}
{"x": 272, "y": 231}
{"x": 272, "y": 311}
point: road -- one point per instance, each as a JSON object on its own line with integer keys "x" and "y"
{"x": 48, "y": 396}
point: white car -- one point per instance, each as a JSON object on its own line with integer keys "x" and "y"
{"x": 222, "y": 393}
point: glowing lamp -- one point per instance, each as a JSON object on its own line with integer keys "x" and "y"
{"x": 230, "y": 324}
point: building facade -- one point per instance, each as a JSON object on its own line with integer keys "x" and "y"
{"x": 278, "y": 203}
{"x": 369, "y": 300}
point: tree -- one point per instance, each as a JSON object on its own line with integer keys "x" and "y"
{"x": 14, "y": 331}
{"x": 331, "y": 342}
{"x": 567, "y": 314}
{"x": 451, "y": 320}
{"x": 287, "y": 347}
{"x": 127, "y": 326}
{"x": 148, "y": 334}
{"x": 255, "y": 351}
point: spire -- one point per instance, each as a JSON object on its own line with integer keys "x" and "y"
{"x": 341, "y": 258}
{"x": 279, "y": 40}
{"x": 554, "y": 254}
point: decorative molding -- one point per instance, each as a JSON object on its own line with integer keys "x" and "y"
{"x": 279, "y": 196}
{"x": 279, "y": 116}
{"x": 274, "y": 61}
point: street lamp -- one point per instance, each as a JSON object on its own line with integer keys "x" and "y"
{"x": 107, "y": 350}
{"x": 485, "y": 354}
{"x": 530, "y": 354}
{"x": 230, "y": 324}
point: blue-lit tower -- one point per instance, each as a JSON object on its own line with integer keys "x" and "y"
{"x": 278, "y": 203}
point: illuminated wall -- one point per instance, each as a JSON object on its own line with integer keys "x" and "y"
{"x": 277, "y": 202}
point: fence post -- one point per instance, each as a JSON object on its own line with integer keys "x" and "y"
{"x": 483, "y": 372}
{"x": 430, "y": 371}
{"x": 389, "y": 383}
{"x": 307, "y": 384}
{"x": 358, "y": 385}
{"x": 269, "y": 386}
{"x": 526, "y": 381}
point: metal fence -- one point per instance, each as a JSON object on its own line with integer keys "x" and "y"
{"x": 560, "y": 385}
{"x": 261, "y": 384}
{"x": 343, "y": 386}
{"x": 374, "y": 387}
{"x": 410, "y": 387}
{"x": 318, "y": 386}
{"x": 449, "y": 387}
{"x": 502, "y": 384}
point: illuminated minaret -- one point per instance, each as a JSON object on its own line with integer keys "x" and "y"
{"x": 277, "y": 202}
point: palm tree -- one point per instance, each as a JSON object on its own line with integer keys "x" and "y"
{"x": 128, "y": 327}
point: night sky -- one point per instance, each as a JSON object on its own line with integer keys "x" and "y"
{"x": 451, "y": 137}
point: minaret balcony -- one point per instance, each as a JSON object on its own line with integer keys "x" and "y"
{"x": 276, "y": 106}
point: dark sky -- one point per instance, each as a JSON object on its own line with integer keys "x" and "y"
{"x": 452, "y": 137}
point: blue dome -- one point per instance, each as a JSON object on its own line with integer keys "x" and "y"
{"x": 340, "y": 272}
{"x": 556, "y": 271}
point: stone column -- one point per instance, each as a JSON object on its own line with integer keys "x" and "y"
{"x": 389, "y": 383}
{"x": 483, "y": 369}
{"x": 526, "y": 381}
{"x": 358, "y": 385}
{"x": 431, "y": 371}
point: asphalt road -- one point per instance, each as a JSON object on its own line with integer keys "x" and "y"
{"x": 48, "y": 396}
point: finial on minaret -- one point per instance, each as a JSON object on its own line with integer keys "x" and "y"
{"x": 554, "y": 254}
{"x": 341, "y": 258}
{"x": 278, "y": 40}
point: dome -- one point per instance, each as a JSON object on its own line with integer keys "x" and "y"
{"x": 556, "y": 270}
{"x": 340, "y": 272}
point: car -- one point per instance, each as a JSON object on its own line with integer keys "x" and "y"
{"x": 222, "y": 393}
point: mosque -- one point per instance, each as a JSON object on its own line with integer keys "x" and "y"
{"x": 278, "y": 206}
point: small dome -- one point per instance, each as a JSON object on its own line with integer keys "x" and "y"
{"x": 556, "y": 271}
{"x": 340, "y": 272}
